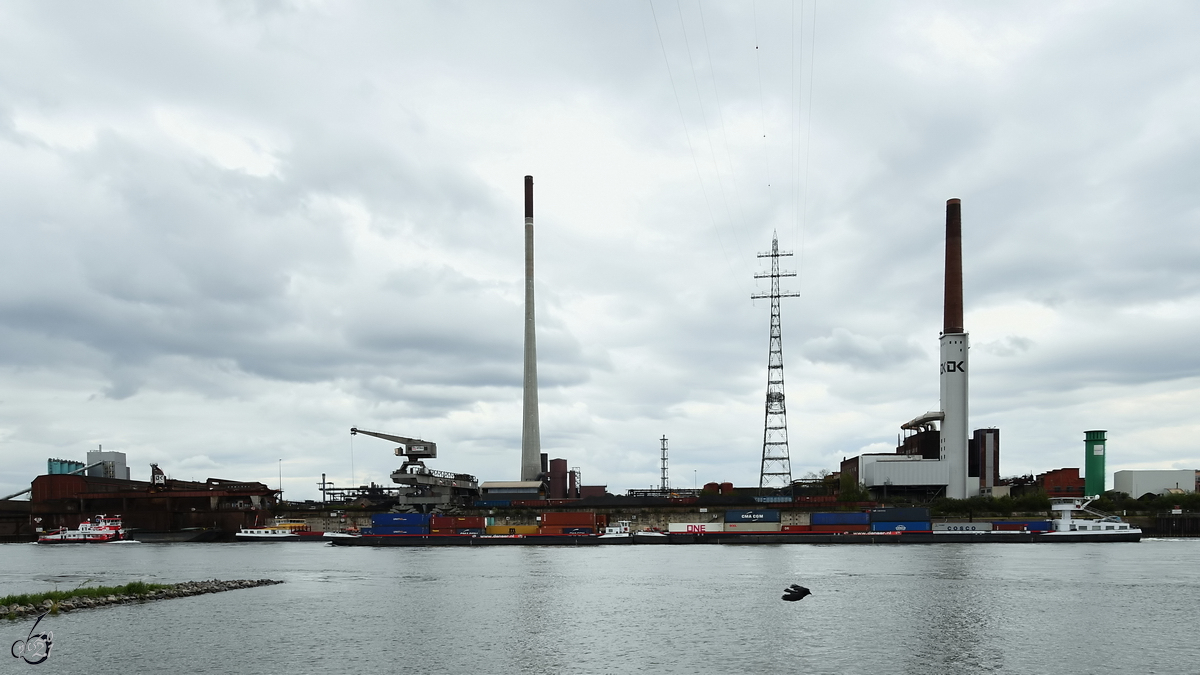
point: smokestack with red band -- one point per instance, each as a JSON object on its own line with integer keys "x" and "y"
{"x": 531, "y": 440}
{"x": 953, "y": 348}
{"x": 953, "y": 315}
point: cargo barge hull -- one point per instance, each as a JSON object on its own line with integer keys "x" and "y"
{"x": 743, "y": 539}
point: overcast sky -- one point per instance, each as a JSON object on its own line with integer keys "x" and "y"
{"x": 230, "y": 231}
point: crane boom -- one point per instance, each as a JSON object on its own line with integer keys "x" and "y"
{"x": 409, "y": 447}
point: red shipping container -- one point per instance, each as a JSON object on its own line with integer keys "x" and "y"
{"x": 1009, "y": 527}
{"x": 841, "y": 528}
{"x": 457, "y": 522}
{"x": 796, "y": 528}
{"x": 572, "y": 519}
{"x": 443, "y": 530}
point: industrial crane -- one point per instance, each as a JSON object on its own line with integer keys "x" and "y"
{"x": 431, "y": 489}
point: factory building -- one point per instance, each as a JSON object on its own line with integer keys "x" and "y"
{"x": 1061, "y": 483}
{"x": 933, "y": 455}
{"x": 1138, "y": 484}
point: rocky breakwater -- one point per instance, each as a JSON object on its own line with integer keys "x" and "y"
{"x": 86, "y": 600}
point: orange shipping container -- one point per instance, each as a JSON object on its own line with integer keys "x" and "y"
{"x": 512, "y": 529}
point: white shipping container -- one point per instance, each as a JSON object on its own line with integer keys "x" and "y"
{"x": 962, "y": 527}
{"x": 695, "y": 528}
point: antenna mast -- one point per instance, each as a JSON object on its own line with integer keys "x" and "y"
{"x": 776, "y": 468}
{"x": 666, "y": 483}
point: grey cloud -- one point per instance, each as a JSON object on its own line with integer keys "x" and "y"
{"x": 858, "y": 351}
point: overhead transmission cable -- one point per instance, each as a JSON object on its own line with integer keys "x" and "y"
{"x": 762, "y": 106}
{"x": 812, "y": 59}
{"x": 691, "y": 147}
{"x": 704, "y": 119}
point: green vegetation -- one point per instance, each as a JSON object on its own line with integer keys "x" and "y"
{"x": 1116, "y": 502}
{"x": 990, "y": 506}
{"x": 137, "y": 588}
{"x": 853, "y": 492}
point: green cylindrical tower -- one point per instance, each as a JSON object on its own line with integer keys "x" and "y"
{"x": 1093, "y": 463}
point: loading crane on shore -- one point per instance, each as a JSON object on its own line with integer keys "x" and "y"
{"x": 430, "y": 489}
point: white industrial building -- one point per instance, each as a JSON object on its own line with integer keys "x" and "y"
{"x": 1139, "y": 483}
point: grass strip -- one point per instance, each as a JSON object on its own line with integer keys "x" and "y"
{"x": 136, "y": 588}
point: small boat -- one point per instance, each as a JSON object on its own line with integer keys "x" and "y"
{"x": 342, "y": 534}
{"x": 98, "y": 530}
{"x": 283, "y": 529}
{"x": 623, "y": 533}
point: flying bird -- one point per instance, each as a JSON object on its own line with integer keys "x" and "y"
{"x": 795, "y": 592}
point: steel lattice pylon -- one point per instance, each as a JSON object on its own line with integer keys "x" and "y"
{"x": 776, "y": 463}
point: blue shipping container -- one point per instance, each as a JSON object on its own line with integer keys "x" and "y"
{"x": 488, "y": 503}
{"x": 903, "y": 526}
{"x": 841, "y": 518}
{"x": 752, "y": 516}
{"x": 406, "y": 519}
{"x": 577, "y": 530}
{"x": 470, "y": 531}
{"x": 381, "y": 529}
{"x": 899, "y": 515}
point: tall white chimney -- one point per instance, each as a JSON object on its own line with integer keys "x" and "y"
{"x": 531, "y": 434}
{"x": 954, "y": 355}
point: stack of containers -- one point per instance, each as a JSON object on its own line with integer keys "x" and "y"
{"x": 568, "y": 522}
{"x": 900, "y": 520}
{"x": 399, "y": 523}
{"x": 752, "y": 520}
{"x": 841, "y": 521}
{"x": 457, "y": 524}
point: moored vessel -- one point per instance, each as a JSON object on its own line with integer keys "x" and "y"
{"x": 98, "y": 530}
{"x": 283, "y": 529}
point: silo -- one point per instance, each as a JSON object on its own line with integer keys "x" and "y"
{"x": 1093, "y": 463}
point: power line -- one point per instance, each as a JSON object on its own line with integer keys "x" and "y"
{"x": 683, "y": 120}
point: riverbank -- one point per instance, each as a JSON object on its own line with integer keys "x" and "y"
{"x": 14, "y": 606}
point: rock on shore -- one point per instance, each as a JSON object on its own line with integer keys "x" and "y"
{"x": 183, "y": 590}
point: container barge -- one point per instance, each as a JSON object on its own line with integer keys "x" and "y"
{"x": 758, "y": 526}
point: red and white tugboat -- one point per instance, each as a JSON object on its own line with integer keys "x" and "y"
{"x": 98, "y": 530}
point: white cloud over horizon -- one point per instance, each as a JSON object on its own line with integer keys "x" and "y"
{"x": 231, "y": 231}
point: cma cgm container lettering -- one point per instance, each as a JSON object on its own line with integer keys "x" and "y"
{"x": 962, "y": 527}
{"x": 695, "y": 528}
{"x": 752, "y": 527}
{"x": 904, "y": 526}
{"x": 571, "y": 518}
{"x": 752, "y": 516}
{"x": 899, "y": 515}
{"x": 841, "y": 518}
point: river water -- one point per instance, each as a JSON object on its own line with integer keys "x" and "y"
{"x": 948, "y": 608}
